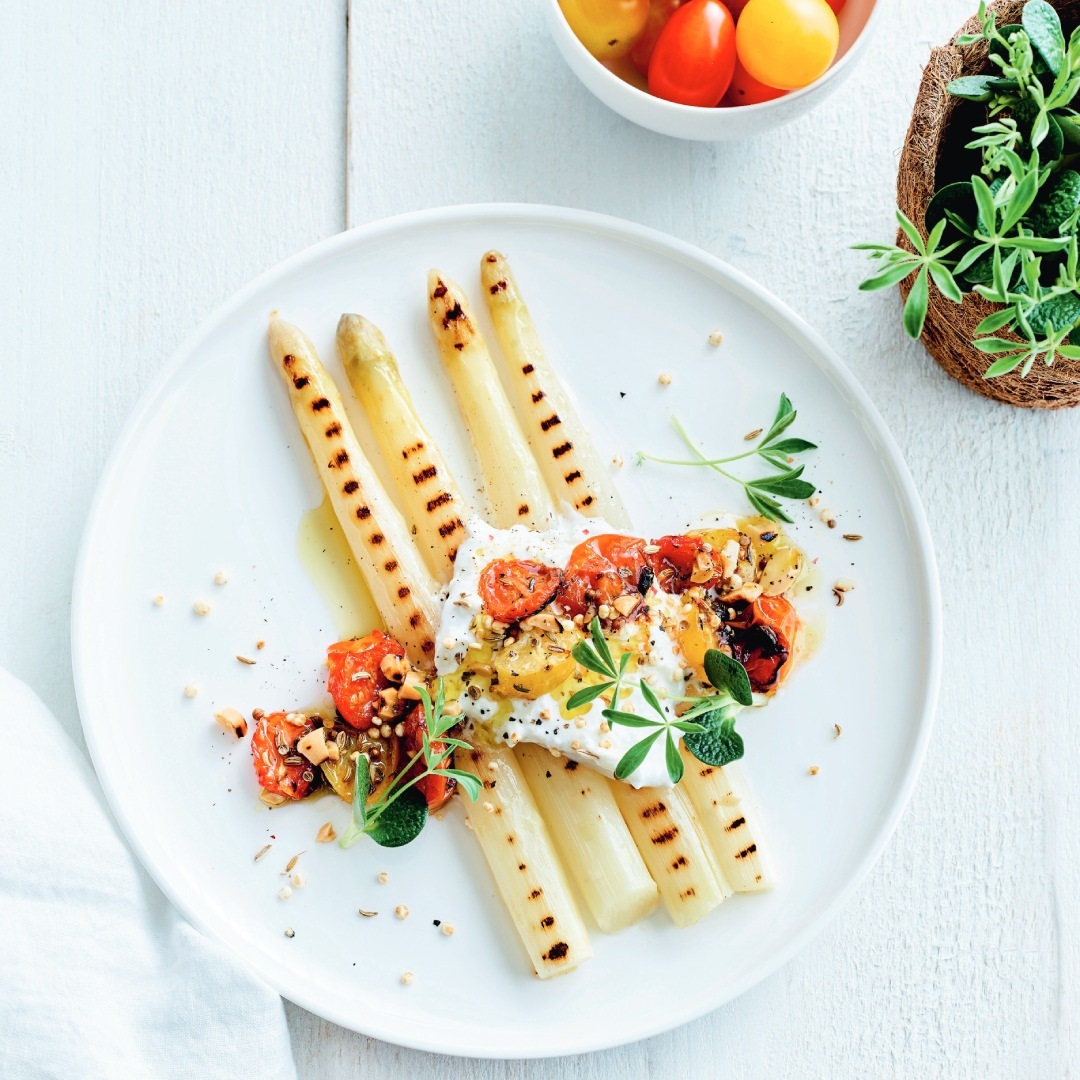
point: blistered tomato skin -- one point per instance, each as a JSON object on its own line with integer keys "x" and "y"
{"x": 787, "y": 44}
{"x": 600, "y": 570}
{"x": 746, "y": 90}
{"x": 356, "y": 676}
{"x": 607, "y": 28}
{"x": 280, "y": 769}
{"x": 659, "y": 13}
{"x": 694, "y": 56}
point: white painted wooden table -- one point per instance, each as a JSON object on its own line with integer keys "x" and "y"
{"x": 159, "y": 153}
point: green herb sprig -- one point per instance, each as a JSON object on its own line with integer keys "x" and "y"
{"x": 708, "y": 723}
{"x": 762, "y": 492}
{"x": 399, "y": 814}
{"x": 1008, "y": 234}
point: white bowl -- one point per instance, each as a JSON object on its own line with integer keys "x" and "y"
{"x": 857, "y": 19}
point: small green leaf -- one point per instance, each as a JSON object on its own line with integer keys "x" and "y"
{"x": 720, "y": 744}
{"x": 361, "y": 788}
{"x": 995, "y": 321}
{"x": 585, "y": 656}
{"x": 915, "y": 308}
{"x": 1021, "y": 200}
{"x": 793, "y": 446}
{"x": 984, "y": 199}
{"x": 891, "y": 275}
{"x": 785, "y": 408}
{"x": 590, "y": 693}
{"x": 1003, "y": 366}
{"x": 637, "y": 753}
{"x": 601, "y": 645}
{"x": 653, "y": 701}
{"x": 687, "y": 725}
{"x": 780, "y": 425}
{"x": 469, "y": 783}
{"x": 728, "y": 675}
{"x": 766, "y": 507}
{"x": 995, "y": 345}
{"x": 628, "y": 719}
{"x": 673, "y": 759}
{"x": 785, "y": 488}
{"x": 946, "y": 284}
{"x": 907, "y": 226}
{"x": 401, "y": 822}
{"x": 1043, "y": 27}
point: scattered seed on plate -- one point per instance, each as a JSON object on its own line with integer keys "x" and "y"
{"x": 844, "y": 585}
{"x": 384, "y": 877}
{"x": 202, "y": 607}
{"x": 284, "y": 892}
{"x": 407, "y": 977}
{"x": 715, "y": 338}
{"x": 232, "y": 720}
{"x": 260, "y": 644}
{"x": 220, "y": 578}
{"x": 326, "y": 833}
{"x": 750, "y": 436}
{"x": 290, "y": 932}
{"x": 367, "y": 914}
{"x": 814, "y": 770}
{"x": 292, "y": 862}
{"x": 664, "y": 379}
{"x": 244, "y": 659}
{"x": 190, "y": 690}
{"x": 829, "y": 518}
{"x": 838, "y": 730}
{"x": 262, "y": 851}
{"x": 852, "y": 536}
{"x": 401, "y": 911}
{"x": 617, "y": 461}
{"x": 299, "y": 879}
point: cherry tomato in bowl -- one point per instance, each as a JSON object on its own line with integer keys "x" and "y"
{"x": 694, "y": 56}
{"x": 746, "y": 90}
{"x": 787, "y": 44}
{"x": 659, "y": 13}
{"x": 607, "y": 28}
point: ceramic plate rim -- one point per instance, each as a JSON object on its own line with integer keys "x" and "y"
{"x": 663, "y": 244}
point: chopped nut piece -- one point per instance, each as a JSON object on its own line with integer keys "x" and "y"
{"x": 447, "y": 929}
{"x": 383, "y": 878}
{"x": 401, "y": 911}
{"x": 604, "y": 611}
{"x": 220, "y": 578}
{"x": 664, "y": 379}
{"x": 451, "y": 708}
{"x": 232, "y": 720}
{"x": 260, "y": 644}
{"x": 190, "y": 690}
{"x": 290, "y": 933}
{"x": 814, "y": 770}
{"x": 333, "y": 752}
{"x": 299, "y": 879}
{"x": 554, "y": 752}
{"x": 814, "y": 500}
{"x": 268, "y": 798}
{"x": 715, "y": 338}
{"x": 489, "y": 808}
{"x": 394, "y": 667}
{"x": 844, "y": 585}
{"x": 388, "y": 708}
{"x": 829, "y": 518}
{"x": 544, "y": 622}
{"x": 284, "y": 892}
{"x": 407, "y": 977}
{"x": 625, "y": 604}
{"x": 202, "y": 607}
{"x": 159, "y": 600}
{"x": 617, "y": 461}
{"x": 313, "y": 746}
{"x": 703, "y": 568}
{"x": 651, "y": 549}
{"x": 326, "y": 833}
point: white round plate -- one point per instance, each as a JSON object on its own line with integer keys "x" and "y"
{"x": 211, "y": 474}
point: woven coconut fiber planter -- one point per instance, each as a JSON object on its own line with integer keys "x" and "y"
{"x": 950, "y": 327}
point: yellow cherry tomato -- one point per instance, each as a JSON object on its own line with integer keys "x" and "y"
{"x": 787, "y": 44}
{"x": 607, "y": 28}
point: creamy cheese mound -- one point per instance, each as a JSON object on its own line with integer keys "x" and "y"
{"x": 586, "y": 737}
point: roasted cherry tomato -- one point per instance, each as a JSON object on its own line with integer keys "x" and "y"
{"x": 694, "y": 56}
{"x": 357, "y": 699}
{"x": 281, "y": 769}
{"x": 607, "y": 28}
{"x": 659, "y": 13}
{"x": 679, "y": 561}
{"x": 434, "y": 787}
{"x": 600, "y": 569}
{"x": 787, "y": 43}
{"x": 746, "y": 90}
{"x": 762, "y": 638}
{"x": 511, "y": 589}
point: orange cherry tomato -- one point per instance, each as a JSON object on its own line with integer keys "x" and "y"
{"x": 601, "y": 569}
{"x": 659, "y": 13}
{"x": 358, "y": 699}
{"x": 675, "y": 562}
{"x": 787, "y": 44}
{"x": 607, "y": 28}
{"x": 694, "y": 56}
{"x": 279, "y": 767}
{"x": 435, "y": 787}
{"x": 512, "y": 589}
{"x": 762, "y": 638}
{"x": 746, "y": 90}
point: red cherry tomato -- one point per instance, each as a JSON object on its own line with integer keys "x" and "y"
{"x": 836, "y": 5}
{"x": 512, "y": 589}
{"x": 694, "y": 56}
{"x": 674, "y": 564}
{"x": 273, "y": 742}
{"x": 358, "y": 699}
{"x": 762, "y": 638}
{"x": 746, "y": 90}
{"x": 659, "y": 13}
{"x": 736, "y": 6}
{"x": 601, "y": 569}
{"x": 435, "y": 787}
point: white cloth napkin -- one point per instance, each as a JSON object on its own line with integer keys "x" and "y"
{"x": 99, "y": 975}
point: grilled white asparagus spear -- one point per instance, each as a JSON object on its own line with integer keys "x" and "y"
{"x": 596, "y": 846}
{"x": 378, "y": 537}
{"x": 663, "y": 825}
{"x": 515, "y": 490}
{"x": 517, "y": 846}
{"x": 556, "y": 434}
{"x": 425, "y": 486}
{"x": 730, "y": 820}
